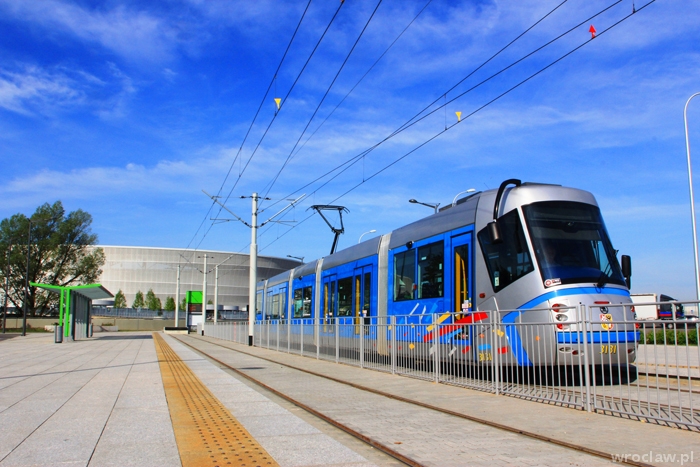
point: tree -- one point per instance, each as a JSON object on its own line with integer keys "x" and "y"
{"x": 120, "y": 300}
{"x": 138, "y": 301}
{"x": 183, "y": 304}
{"x": 169, "y": 304}
{"x": 153, "y": 302}
{"x": 61, "y": 253}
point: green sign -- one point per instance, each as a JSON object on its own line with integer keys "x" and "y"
{"x": 194, "y": 297}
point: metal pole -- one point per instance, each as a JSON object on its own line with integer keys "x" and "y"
{"x": 204, "y": 292}
{"x": 26, "y": 281}
{"x": 177, "y": 297}
{"x": 216, "y": 293}
{"x": 7, "y": 289}
{"x": 252, "y": 284}
{"x": 692, "y": 199}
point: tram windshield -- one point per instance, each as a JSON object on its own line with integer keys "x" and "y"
{"x": 571, "y": 244}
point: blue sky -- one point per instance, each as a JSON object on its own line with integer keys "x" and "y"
{"x": 129, "y": 110}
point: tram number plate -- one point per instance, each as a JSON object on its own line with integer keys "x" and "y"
{"x": 485, "y": 357}
{"x": 608, "y": 349}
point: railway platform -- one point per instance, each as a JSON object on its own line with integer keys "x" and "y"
{"x": 163, "y": 400}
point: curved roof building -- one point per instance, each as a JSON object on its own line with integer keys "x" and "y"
{"x": 133, "y": 269}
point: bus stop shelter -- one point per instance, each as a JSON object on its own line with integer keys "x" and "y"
{"x": 75, "y": 308}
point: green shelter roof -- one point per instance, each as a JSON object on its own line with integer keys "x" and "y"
{"x": 90, "y": 291}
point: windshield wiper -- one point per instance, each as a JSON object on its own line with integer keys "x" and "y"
{"x": 602, "y": 280}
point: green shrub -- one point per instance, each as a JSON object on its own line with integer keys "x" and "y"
{"x": 669, "y": 337}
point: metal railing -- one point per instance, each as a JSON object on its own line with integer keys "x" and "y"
{"x": 132, "y": 313}
{"x": 636, "y": 369}
{"x": 108, "y": 312}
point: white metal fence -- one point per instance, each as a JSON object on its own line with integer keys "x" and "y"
{"x": 636, "y": 369}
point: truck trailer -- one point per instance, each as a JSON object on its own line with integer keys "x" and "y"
{"x": 650, "y": 306}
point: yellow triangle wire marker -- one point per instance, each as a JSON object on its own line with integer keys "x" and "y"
{"x": 459, "y": 116}
{"x": 277, "y": 101}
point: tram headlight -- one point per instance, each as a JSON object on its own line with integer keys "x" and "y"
{"x": 561, "y": 317}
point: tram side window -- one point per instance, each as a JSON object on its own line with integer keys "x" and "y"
{"x": 269, "y": 306}
{"x": 345, "y": 297}
{"x": 404, "y": 275}
{"x": 302, "y": 302}
{"x": 273, "y": 310}
{"x": 259, "y": 302}
{"x": 430, "y": 270}
{"x": 509, "y": 260}
{"x": 368, "y": 294}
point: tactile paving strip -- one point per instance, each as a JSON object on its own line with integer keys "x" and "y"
{"x": 206, "y": 432}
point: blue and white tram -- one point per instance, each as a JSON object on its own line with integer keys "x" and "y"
{"x": 532, "y": 253}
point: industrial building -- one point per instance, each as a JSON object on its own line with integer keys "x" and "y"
{"x": 133, "y": 269}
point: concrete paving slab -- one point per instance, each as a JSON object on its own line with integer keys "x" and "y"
{"x": 597, "y": 431}
{"x": 416, "y": 432}
{"x": 276, "y": 425}
{"x": 70, "y": 412}
{"x": 140, "y": 413}
{"x": 308, "y": 448}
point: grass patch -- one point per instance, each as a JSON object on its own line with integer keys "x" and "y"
{"x": 669, "y": 337}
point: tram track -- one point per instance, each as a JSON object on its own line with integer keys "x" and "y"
{"x": 372, "y": 442}
{"x": 669, "y": 377}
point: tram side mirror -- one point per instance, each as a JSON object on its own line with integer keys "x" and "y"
{"x": 494, "y": 232}
{"x": 627, "y": 270}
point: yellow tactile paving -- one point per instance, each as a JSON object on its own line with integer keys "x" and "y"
{"x": 206, "y": 432}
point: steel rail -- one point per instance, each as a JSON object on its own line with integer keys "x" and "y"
{"x": 382, "y": 447}
{"x": 386, "y": 449}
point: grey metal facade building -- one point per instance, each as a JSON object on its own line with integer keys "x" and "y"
{"x": 133, "y": 269}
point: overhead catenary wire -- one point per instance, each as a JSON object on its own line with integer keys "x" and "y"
{"x": 464, "y": 118}
{"x": 252, "y": 123}
{"x": 349, "y": 163}
{"x": 257, "y": 146}
{"x": 409, "y": 123}
{"x": 328, "y": 90}
{"x": 361, "y": 156}
{"x": 352, "y": 161}
{"x": 242, "y": 171}
{"x": 273, "y": 81}
{"x": 365, "y": 75}
{"x": 405, "y": 125}
{"x": 413, "y": 121}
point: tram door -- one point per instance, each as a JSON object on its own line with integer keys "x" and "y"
{"x": 461, "y": 249}
{"x": 329, "y": 300}
{"x": 362, "y": 294}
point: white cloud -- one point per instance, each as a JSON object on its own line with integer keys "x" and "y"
{"x": 31, "y": 90}
{"x": 135, "y": 35}
{"x": 34, "y": 88}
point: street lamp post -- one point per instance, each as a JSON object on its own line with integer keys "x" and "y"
{"x": 454, "y": 201}
{"x": 371, "y": 231}
{"x": 692, "y": 199}
{"x": 26, "y": 280}
{"x": 430, "y": 205}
